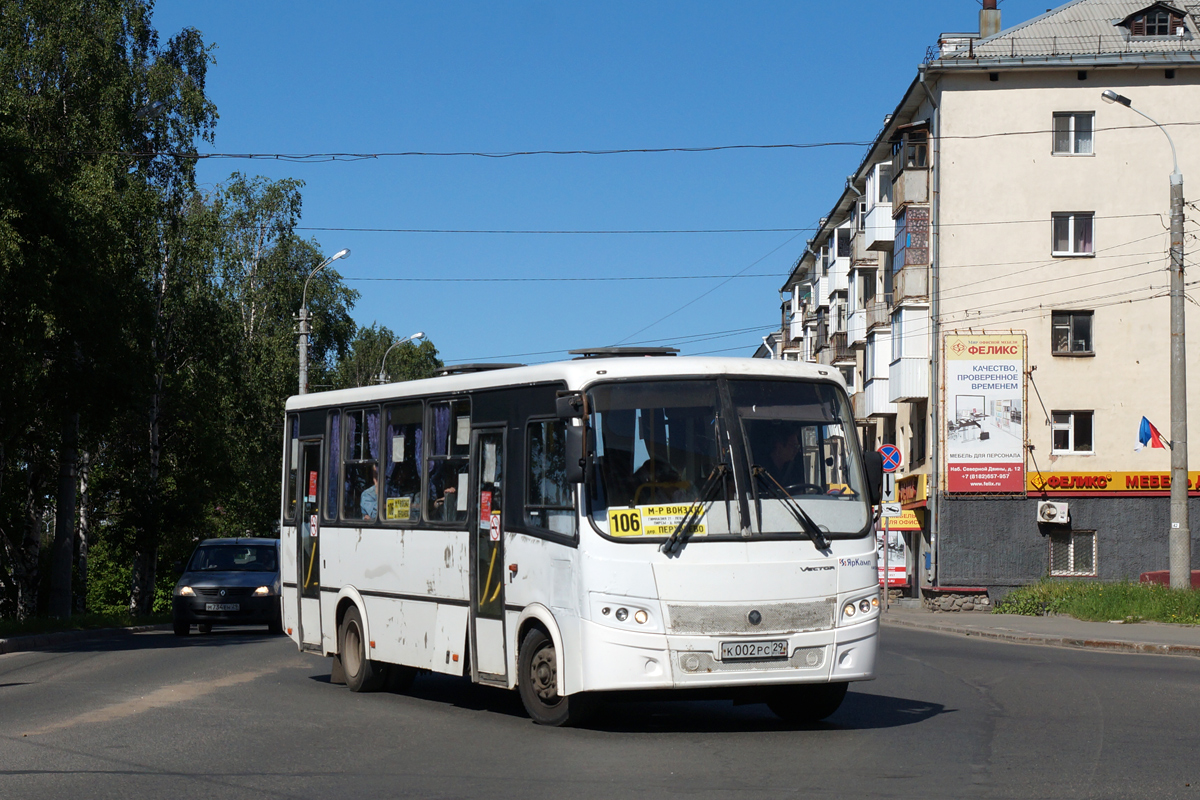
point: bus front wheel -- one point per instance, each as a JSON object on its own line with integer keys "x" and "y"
{"x": 537, "y": 682}
{"x": 807, "y": 702}
{"x": 362, "y": 674}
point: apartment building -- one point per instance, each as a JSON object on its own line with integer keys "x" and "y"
{"x": 992, "y": 280}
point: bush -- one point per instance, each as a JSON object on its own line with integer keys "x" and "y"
{"x": 1127, "y": 601}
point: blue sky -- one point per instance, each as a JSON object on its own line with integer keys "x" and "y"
{"x": 372, "y": 77}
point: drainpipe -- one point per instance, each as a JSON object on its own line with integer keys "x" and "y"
{"x": 935, "y": 336}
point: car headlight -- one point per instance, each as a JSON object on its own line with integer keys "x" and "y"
{"x": 186, "y": 591}
{"x": 262, "y": 590}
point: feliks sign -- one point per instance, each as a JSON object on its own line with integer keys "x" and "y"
{"x": 985, "y": 414}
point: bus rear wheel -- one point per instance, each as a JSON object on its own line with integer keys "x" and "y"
{"x": 537, "y": 682}
{"x": 808, "y": 702}
{"x": 362, "y": 674}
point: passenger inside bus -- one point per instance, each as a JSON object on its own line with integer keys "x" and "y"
{"x": 368, "y": 501}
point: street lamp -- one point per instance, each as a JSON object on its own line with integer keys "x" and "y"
{"x": 304, "y": 318}
{"x": 1179, "y": 537}
{"x": 382, "y": 364}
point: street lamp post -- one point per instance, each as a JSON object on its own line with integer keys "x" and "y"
{"x": 304, "y": 318}
{"x": 1179, "y": 537}
{"x": 415, "y": 337}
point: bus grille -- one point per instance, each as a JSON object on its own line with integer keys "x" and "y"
{"x": 709, "y": 620}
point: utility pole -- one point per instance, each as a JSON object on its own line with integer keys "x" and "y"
{"x": 1179, "y": 536}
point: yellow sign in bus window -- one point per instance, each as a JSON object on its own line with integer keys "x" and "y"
{"x": 399, "y": 507}
{"x": 624, "y": 522}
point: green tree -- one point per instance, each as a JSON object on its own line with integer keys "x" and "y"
{"x": 87, "y": 93}
{"x": 362, "y": 365}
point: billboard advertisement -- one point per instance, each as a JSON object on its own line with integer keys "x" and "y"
{"x": 985, "y": 412}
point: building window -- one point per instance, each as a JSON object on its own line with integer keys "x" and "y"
{"x": 910, "y": 151}
{"x": 883, "y": 183}
{"x": 843, "y": 243}
{"x": 1072, "y": 432}
{"x": 916, "y": 444}
{"x": 869, "y": 359}
{"x": 1073, "y": 234}
{"x": 1155, "y": 22}
{"x": 1071, "y": 332}
{"x": 1073, "y": 133}
{"x": 1073, "y": 553}
{"x": 897, "y": 334}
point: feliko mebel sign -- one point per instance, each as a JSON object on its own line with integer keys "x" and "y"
{"x": 985, "y": 413}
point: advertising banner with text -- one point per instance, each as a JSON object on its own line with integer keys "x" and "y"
{"x": 985, "y": 412}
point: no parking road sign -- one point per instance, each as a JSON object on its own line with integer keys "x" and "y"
{"x": 891, "y": 457}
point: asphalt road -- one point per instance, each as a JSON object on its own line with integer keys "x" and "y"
{"x": 241, "y": 714}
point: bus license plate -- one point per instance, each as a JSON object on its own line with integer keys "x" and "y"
{"x": 732, "y": 651}
{"x": 222, "y": 607}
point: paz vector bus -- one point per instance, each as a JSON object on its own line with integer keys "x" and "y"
{"x": 625, "y": 520}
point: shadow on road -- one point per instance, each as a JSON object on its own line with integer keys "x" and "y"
{"x": 117, "y": 641}
{"x": 677, "y": 711}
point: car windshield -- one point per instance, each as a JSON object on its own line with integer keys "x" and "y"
{"x": 664, "y": 447}
{"x": 234, "y": 558}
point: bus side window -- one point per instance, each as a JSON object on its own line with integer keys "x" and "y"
{"x": 292, "y": 456}
{"x": 548, "y": 502}
{"x": 402, "y": 446}
{"x": 449, "y": 431}
{"x": 333, "y": 465}
{"x": 360, "y": 491}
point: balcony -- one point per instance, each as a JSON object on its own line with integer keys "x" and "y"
{"x": 912, "y": 283}
{"x": 839, "y": 275}
{"x": 858, "y": 402}
{"x": 841, "y": 353}
{"x": 880, "y": 232}
{"x": 878, "y": 402}
{"x": 908, "y": 379}
{"x": 860, "y": 255}
{"x": 878, "y": 313}
{"x": 910, "y": 186}
{"x": 856, "y": 328}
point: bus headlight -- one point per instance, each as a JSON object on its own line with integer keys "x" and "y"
{"x": 848, "y": 611}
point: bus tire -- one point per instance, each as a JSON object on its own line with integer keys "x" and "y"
{"x": 362, "y": 674}
{"x": 537, "y": 682}
{"x": 806, "y": 702}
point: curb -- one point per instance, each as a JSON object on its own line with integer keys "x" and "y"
{"x": 36, "y": 641}
{"x": 1109, "y": 645}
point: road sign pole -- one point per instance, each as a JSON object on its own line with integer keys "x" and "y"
{"x": 886, "y": 575}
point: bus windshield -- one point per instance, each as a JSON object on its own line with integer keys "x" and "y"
{"x": 660, "y": 446}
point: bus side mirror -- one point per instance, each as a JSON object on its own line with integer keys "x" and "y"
{"x": 569, "y": 406}
{"x": 873, "y": 461}
{"x": 577, "y": 453}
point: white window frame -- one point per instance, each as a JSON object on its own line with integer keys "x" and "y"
{"x": 1074, "y": 538}
{"x": 897, "y": 335}
{"x": 1071, "y": 217}
{"x": 1071, "y": 132}
{"x": 1069, "y": 426}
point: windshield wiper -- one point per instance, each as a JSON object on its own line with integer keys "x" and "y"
{"x": 777, "y": 491}
{"x": 708, "y": 493}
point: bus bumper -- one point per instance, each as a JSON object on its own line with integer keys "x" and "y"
{"x": 620, "y": 660}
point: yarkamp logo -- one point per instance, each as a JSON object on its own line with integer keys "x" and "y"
{"x": 816, "y": 569}
{"x": 856, "y": 562}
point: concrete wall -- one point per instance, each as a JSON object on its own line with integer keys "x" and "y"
{"x": 998, "y": 542}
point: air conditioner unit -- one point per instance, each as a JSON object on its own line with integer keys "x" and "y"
{"x": 1052, "y": 512}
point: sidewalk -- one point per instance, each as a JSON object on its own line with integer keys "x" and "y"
{"x": 1138, "y": 637}
{"x": 36, "y": 641}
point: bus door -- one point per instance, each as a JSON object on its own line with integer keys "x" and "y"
{"x": 488, "y": 661}
{"x": 308, "y": 545}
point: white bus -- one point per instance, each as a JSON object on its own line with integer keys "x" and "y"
{"x": 608, "y": 523}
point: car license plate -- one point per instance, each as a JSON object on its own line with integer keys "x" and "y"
{"x": 222, "y": 607}
{"x": 732, "y": 651}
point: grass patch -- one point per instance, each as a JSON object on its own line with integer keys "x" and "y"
{"x": 77, "y": 622}
{"x": 1131, "y": 602}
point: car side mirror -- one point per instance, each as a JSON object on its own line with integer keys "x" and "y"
{"x": 178, "y": 567}
{"x": 873, "y": 462}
